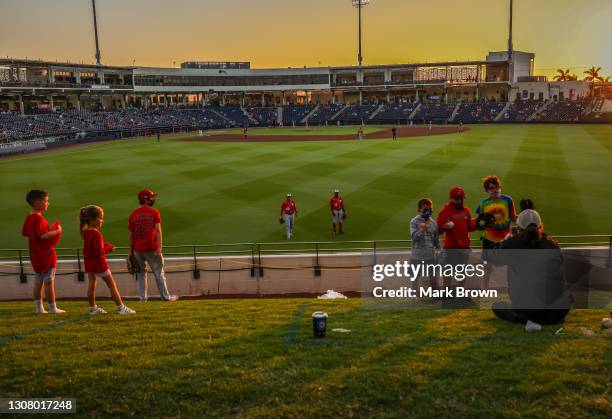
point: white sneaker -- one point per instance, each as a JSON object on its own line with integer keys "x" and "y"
{"x": 55, "y": 310}
{"x": 125, "y": 310}
{"x": 173, "y": 297}
{"x": 41, "y": 310}
{"x": 532, "y": 327}
{"x": 94, "y": 311}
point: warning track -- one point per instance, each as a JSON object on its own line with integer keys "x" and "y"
{"x": 383, "y": 134}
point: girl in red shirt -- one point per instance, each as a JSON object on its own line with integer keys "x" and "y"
{"x": 95, "y": 250}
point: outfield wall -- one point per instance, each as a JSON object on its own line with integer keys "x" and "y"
{"x": 280, "y": 275}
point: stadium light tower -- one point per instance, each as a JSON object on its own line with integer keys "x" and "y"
{"x": 359, "y": 4}
{"x": 95, "y": 17}
{"x": 510, "y": 44}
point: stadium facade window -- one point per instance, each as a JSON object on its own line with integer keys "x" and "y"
{"x": 290, "y": 80}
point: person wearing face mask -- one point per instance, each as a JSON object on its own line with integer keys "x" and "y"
{"x": 495, "y": 214}
{"x": 425, "y": 235}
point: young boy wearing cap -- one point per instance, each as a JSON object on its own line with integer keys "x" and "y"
{"x": 145, "y": 230}
{"x": 336, "y": 205}
{"x": 288, "y": 214}
{"x": 455, "y": 223}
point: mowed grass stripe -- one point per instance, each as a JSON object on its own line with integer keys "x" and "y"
{"x": 461, "y": 157}
{"x": 539, "y": 169}
{"x": 586, "y": 157}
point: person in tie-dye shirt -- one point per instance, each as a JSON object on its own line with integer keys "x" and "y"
{"x": 497, "y": 208}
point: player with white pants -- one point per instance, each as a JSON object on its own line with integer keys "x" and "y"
{"x": 336, "y": 206}
{"x": 288, "y": 214}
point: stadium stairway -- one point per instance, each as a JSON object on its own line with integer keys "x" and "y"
{"x": 418, "y": 108}
{"x": 250, "y": 116}
{"x": 376, "y": 112}
{"x": 279, "y": 116}
{"x": 337, "y": 114}
{"x": 502, "y": 112}
{"x": 455, "y": 111}
{"x": 311, "y": 113}
{"x": 545, "y": 107}
{"x": 225, "y": 118}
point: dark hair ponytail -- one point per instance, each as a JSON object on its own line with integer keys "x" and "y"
{"x": 87, "y": 215}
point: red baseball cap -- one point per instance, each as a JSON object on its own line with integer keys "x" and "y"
{"x": 146, "y": 194}
{"x": 457, "y": 191}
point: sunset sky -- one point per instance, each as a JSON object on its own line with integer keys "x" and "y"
{"x": 283, "y": 33}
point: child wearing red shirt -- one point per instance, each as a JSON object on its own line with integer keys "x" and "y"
{"x": 95, "y": 250}
{"x": 42, "y": 240}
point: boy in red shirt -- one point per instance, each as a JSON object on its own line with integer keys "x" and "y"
{"x": 146, "y": 244}
{"x": 95, "y": 250}
{"x": 455, "y": 222}
{"x": 42, "y": 240}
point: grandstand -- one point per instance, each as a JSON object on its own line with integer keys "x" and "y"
{"x": 40, "y": 99}
{"x": 296, "y": 114}
{"x": 473, "y": 113}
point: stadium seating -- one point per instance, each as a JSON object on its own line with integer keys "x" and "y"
{"x": 15, "y": 127}
{"x": 565, "y": 111}
{"x": 396, "y": 113}
{"x": 472, "y": 113}
{"x": 265, "y": 117}
{"x": 521, "y": 110}
{"x": 236, "y": 114}
{"x": 356, "y": 114}
{"x": 296, "y": 113}
{"x": 324, "y": 114}
{"x": 439, "y": 112}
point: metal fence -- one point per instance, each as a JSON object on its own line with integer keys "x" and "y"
{"x": 251, "y": 254}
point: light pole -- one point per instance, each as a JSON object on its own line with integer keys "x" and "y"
{"x": 95, "y": 17}
{"x": 511, "y": 45}
{"x": 359, "y": 4}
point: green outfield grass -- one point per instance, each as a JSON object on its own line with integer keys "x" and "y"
{"x": 255, "y": 358}
{"x": 231, "y": 192}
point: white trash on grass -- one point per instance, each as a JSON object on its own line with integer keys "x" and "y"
{"x": 331, "y": 295}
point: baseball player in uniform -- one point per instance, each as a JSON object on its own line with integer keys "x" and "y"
{"x": 288, "y": 214}
{"x": 336, "y": 205}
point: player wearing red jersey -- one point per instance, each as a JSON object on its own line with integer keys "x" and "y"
{"x": 336, "y": 206}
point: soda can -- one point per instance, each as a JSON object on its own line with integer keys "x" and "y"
{"x": 319, "y": 324}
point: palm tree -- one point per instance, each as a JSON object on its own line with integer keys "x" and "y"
{"x": 573, "y": 77}
{"x": 592, "y": 75}
{"x": 563, "y": 75}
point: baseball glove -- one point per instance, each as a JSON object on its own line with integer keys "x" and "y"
{"x": 485, "y": 221}
{"x": 344, "y": 216}
{"x": 281, "y": 220}
{"x": 132, "y": 265}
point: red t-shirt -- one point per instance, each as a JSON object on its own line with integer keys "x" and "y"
{"x": 95, "y": 250}
{"x": 336, "y": 203}
{"x": 42, "y": 252}
{"x": 288, "y": 207}
{"x": 142, "y": 226}
{"x": 459, "y": 236}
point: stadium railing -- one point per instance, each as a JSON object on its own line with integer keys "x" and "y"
{"x": 253, "y": 253}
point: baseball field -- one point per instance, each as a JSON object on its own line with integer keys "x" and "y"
{"x": 224, "y": 192}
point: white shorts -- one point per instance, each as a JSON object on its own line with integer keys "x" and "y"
{"x": 338, "y": 216}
